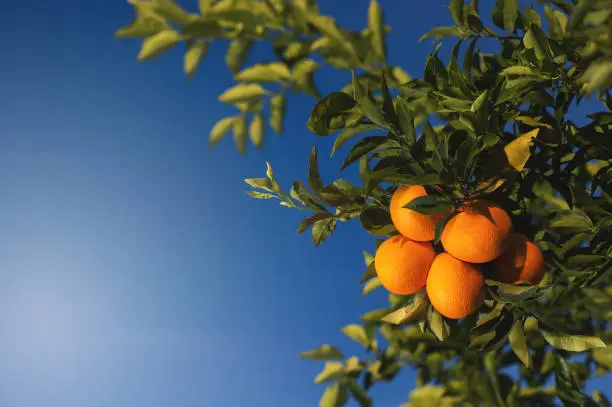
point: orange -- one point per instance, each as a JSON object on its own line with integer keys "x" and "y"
{"x": 402, "y": 264}
{"x": 478, "y": 233}
{"x": 522, "y": 261}
{"x": 409, "y": 223}
{"x": 455, "y": 288}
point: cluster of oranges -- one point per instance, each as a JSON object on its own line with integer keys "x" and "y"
{"x": 480, "y": 232}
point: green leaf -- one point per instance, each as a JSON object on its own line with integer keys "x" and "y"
{"x": 261, "y": 195}
{"x": 376, "y": 25}
{"x": 603, "y": 356}
{"x": 172, "y": 12}
{"x": 406, "y": 120}
{"x": 323, "y": 352}
{"x": 370, "y": 286}
{"x": 510, "y": 293}
{"x": 369, "y": 273}
{"x": 456, "y": 9}
{"x": 367, "y": 105}
{"x": 357, "y": 333}
{"x": 518, "y": 342}
{"x": 240, "y": 133}
{"x": 327, "y": 26}
{"x": 260, "y": 183}
{"x": 309, "y": 221}
{"x": 277, "y": 112}
{"x": 364, "y": 146}
{"x": 331, "y": 371}
{"x": 437, "y": 324}
{"x": 256, "y": 130}
{"x": 430, "y": 204}
{"x": 350, "y": 132}
{"x": 597, "y": 76}
{"x": 377, "y": 221}
{"x": 572, "y": 343}
{"x": 157, "y": 44}
{"x": 314, "y": 178}
{"x": 335, "y": 395}
{"x": 440, "y": 224}
{"x": 201, "y": 28}
{"x": 220, "y": 129}
{"x": 204, "y": 5}
{"x": 511, "y": 13}
{"x": 327, "y": 115}
{"x": 572, "y": 221}
{"x": 409, "y": 313}
{"x": 237, "y": 52}
{"x": 194, "y": 55}
{"x": 271, "y": 72}
{"x": 322, "y": 229}
{"x": 535, "y": 40}
{"x": 359, "y": 394}
{"x": 242, "y": 92}
{"x": 441, "y": 32}
{"x": 300, "y": 193}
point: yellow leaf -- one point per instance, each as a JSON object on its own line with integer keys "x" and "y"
{"x": 519, "y": 150}
{"x": 158, "y": 44}
{"x": 193, "y": 57}
{"x": 517, "y": 153}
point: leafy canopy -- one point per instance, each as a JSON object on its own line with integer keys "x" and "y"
{"x": 480, "y": 125}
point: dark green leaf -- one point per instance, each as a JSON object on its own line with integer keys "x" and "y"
{"x": 359, "y": 394}
{"x": 349, "y": 133}
{"x": 326, "y": 117}
{"x": 406, "y": 120}
{"x": 363, "y": 147}
{"x": 314, "y": 178}
{"x": 377, "y": 221}
{"x": 430, "y": 204}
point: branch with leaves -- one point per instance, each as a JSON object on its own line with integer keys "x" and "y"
{"x": 495, "y": 126}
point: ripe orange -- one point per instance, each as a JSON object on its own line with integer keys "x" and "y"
{"x": 455, "y": 288}
{"x": 478, "y": 233}
{"x": 409, "y": 223}
{"x": 402, "y": 264}
{"x": 522, "y": 261}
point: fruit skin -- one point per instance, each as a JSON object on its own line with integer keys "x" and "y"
{"x": 478, "y": 233}
{"x": 455, "y": 288}
{"x": 402, "y": 264}
{"x": 522, "y": 261}
{"x": 409, "y": 223}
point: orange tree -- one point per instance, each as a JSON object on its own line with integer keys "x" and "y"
{"x": 479, "y": 127}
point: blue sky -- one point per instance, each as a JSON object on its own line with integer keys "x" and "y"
{"x": 135, "y": 270}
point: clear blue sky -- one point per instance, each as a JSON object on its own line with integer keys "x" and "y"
{"x": 135, "y": 270}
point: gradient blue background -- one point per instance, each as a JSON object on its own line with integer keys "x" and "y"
{"x": 135, "y": 271}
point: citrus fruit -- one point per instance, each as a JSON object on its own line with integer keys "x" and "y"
{"x": 522, "y": 261}
{"x": 402, "y": 264}
{"x": 455, "y": 288}
{"x": 409, "y": 223}
{"x": 478, "y": 233}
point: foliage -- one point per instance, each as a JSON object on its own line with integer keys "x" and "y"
{"x": 482, "y": 125}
